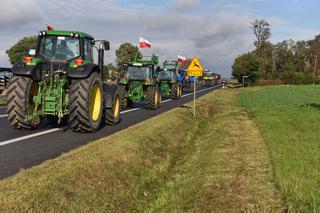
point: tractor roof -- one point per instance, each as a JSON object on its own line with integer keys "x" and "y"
{"x": 147, "y": 60}
{"x": 67, "y": 33}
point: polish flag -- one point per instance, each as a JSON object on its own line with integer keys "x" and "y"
{"x": 144, "y": 43}
{"x": 50, "y": 27}
{"x": 181, "y": 59}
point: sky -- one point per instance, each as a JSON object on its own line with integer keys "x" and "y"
{"x": 216, "y": 31}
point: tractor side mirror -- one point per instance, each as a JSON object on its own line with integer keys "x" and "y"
{"x": 107, "y": 45}
{"x": 32, "y": 52}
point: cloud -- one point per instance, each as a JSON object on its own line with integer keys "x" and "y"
{"x": 16, "y": 14}
{"x": 184, "y": 4}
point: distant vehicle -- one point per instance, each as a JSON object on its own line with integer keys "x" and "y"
{"x": 168, "y": 80}
{"x": 140, "y": 82}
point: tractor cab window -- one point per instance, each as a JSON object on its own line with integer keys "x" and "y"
{"x": 167, "y": 75}
{"x": 88, "y": 52}
{"x": 138, "y": 73}
{"x": 59, "y": 48}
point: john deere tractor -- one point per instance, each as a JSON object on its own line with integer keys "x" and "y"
{"x": 59, "y": 80}
{"x": 168, "y": 80}
{"x": 140, "y": 83}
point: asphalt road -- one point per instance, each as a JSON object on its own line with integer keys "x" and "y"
{"x": 21, "y": 149}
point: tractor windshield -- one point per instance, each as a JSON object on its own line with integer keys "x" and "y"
{"x": 60, "y": 48}
{"x": 167, "y": 75}
{"x": 138, "y": 73}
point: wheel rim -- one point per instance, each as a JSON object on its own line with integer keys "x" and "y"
{"x": 156, "y": 98}
{"x": 33, "y": 91}
{"x": 96, "y": 101}
{"x": 116, "y": 108}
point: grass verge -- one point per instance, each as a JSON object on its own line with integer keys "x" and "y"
{"x": 2, "y": 101}
{"x": 288, "y": 118}
{"x": 170, "y": 163}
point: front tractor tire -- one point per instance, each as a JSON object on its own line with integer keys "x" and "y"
{"x": 112, "y": 115}
{"x": 153, "y": 99}
{"x": 86, "y": 103}
{"x": 124, "y": 101}
{"x": 20, "y": 93}
{"x": 176, "y": 91}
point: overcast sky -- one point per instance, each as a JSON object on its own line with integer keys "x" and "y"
{"x": 214, "y": 30}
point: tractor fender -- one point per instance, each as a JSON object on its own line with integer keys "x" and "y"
{"x": 82, "y": 71}
{"x": 109, "y": 92}
{"x": 20, "y": 69}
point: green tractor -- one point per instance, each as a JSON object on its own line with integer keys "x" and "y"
{"x": 210, "y": 79}
{"x": 60, "y": 81}
{"x": 140, "y": 83}
{"x": 168, "y": 80}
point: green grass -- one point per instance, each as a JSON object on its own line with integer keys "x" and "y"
{"x": 2, "y": 101}
{"x": 170, "y": 163}
{"x": 289, "y": 120}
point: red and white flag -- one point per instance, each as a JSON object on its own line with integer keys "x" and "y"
{"x": 144, "y": 43}
{"x": 50, "y": 27}
{"x": 181, "y": 59}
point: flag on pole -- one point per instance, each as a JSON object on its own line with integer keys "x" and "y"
{"x": 144, "y": 43}
{"x": 181, "y": 59}
{"x": 50, "y": 27}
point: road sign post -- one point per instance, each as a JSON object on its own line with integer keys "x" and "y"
{"x": 194, "y": 70}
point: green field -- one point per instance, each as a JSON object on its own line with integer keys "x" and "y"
{"x": 288, "y": 118}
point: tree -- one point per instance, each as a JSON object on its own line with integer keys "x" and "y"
{"x": 125, "y": 53}
{"x": 21, "y": 48}
{"x": 110, "y": 72}
{"x": 247, "y": 65}
{"x": 261, "y": 30}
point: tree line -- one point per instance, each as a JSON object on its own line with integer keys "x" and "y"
{"x": 289, "y": 61}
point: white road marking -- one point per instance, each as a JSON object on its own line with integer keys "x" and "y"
{"x": 4, "y": 116}
{"x": 2, "y": 107}
{"x": 130, "y": 110}
{"x": 3, "y": 143}
{"x": 29, "y": 136}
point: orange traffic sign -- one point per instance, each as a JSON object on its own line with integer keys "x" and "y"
{"x": 195, "y": 68}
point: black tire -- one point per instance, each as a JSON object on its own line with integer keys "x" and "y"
{"x": 124, "y": 101}
{"x": 19, "y": 102}
{"x": 112, "y": 115}
{"x": 180, "y": 91}
{"x": 83, "y": 116}
{"x": 174, "y": 91}
{"x": 152, "y": 99}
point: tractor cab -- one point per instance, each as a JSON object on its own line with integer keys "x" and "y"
{"x": 141, "y": 70}
{"x": 69, "y": 51}
{"x": 169, "y": 71}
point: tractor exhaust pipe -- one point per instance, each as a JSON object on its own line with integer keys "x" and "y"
{"x": 104, "y": 45}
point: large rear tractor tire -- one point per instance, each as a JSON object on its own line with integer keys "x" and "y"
{"x": 86, "y": 103}
{"x": 153, "y": 99}
{"x": 20, "y": 93}
{"x": 112, "y": 115}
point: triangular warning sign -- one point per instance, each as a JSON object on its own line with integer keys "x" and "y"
{"x": 195, "y": 68}
{"x": 195, "y": 65}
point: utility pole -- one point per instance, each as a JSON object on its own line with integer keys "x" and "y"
{"x": 315, "y": 67}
